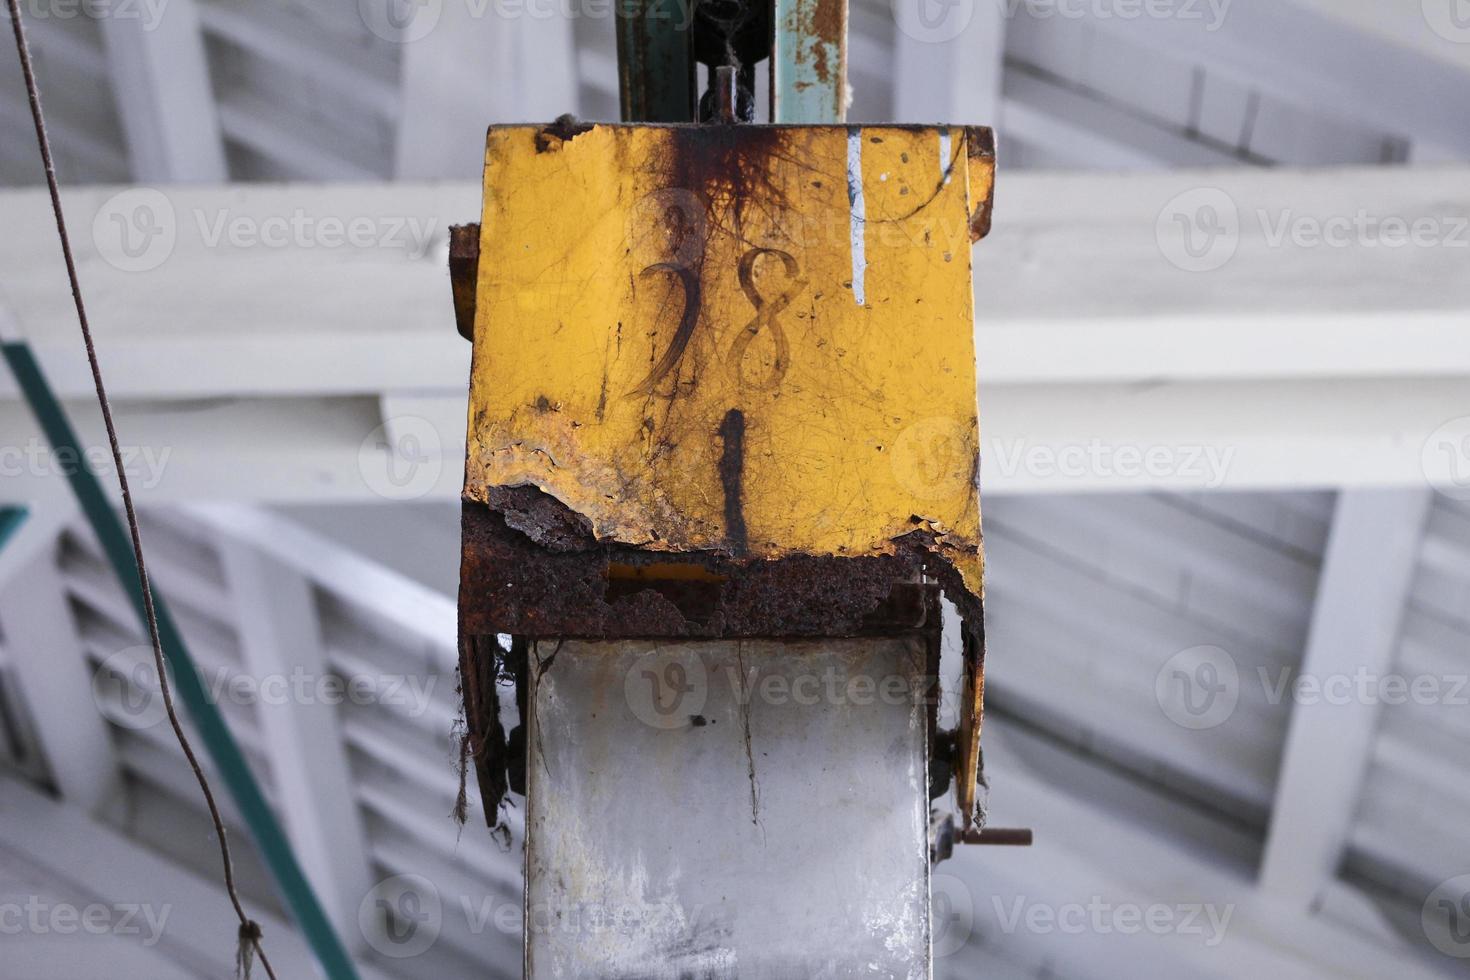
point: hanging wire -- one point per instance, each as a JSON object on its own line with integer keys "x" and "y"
{"x": 249, "y": 937}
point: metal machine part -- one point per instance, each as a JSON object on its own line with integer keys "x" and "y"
{"x": 722, "y": 409}
{"x": 671, "y": 793}
{"x": 643, "y": 459}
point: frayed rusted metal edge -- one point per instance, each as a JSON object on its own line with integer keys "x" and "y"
{"x": 980, "y": 145}
{"x": 654, "y": 608}
{"x": 482, "y": 743}
{"x": 531, "y": 566}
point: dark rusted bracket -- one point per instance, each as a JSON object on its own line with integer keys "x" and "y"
{"x": 530, "y": 566}
{"x": 980, "y": 144}
{"x": 464, "y": 263}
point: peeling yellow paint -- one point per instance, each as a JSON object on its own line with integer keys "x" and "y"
{"x": 748, "y": 339}
{"x": 859, "y": 419}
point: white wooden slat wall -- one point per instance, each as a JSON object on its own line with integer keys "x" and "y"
{"x": 401, "y": 758}
{"x": 1089, "y": 598}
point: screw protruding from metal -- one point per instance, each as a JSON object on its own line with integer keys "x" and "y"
{"x": 1000, "y": 836}
{"x": 726, "y": 95}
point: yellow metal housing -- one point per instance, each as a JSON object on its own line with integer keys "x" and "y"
{"x": 638, "y": 283}
{"x": 753, "y": 340}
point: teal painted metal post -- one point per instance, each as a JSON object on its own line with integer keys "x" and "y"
{"x": 809, "y": 62}
{"x": 656, "y": 80}
{"x": 229, "y": 762}
{"x": 11, "y": 518}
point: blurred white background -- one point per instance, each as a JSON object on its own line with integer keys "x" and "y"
{"x": 1223, "y": 329}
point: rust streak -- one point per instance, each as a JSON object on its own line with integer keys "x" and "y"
{"x": 732, "y": 476}
{"x": 531, "y": 565}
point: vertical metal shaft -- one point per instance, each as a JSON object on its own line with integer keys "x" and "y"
{"x": 656, "y": 80}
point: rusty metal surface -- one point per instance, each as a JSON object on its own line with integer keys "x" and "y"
{"x": 483, "y": 744}
{"x": 968, "y": 760}
{"x": 531, "y": 567}
{"x": 464, "y": 264}
{"x": 628, "y": 478}
{"x": 658, "y": 304}
{"x": 809, "y": 61}
{"x": 1001, "y": 836}
{"x": 980, "y": 145}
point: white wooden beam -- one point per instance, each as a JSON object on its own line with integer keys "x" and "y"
{"x": 467, "y": 66}
{"x": 282, "y": 650}
{"x": 1378, "y": 64}
{"x": 1366, "y": 577}
{"x": 46, "y": 658}
{"x": 1307, "y": 363}
{"x": 1093, "y": 134}
{"x": 1037, "y": 439}
{"x": 947, "y": 61}
{"x": 412, "y": 607}
{"x": 1072, "y": 287}
{"x": 164, "y": 95}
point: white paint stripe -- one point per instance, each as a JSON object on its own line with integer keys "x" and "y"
{"x": 944, "y": 155}
{"x": 858, "y": 212}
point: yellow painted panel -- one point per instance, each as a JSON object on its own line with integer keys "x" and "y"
{"x": 750, "y": 339}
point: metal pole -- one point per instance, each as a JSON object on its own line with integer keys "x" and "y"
{"x": 656, "y": 62}
{"x": 809, "y": 62}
